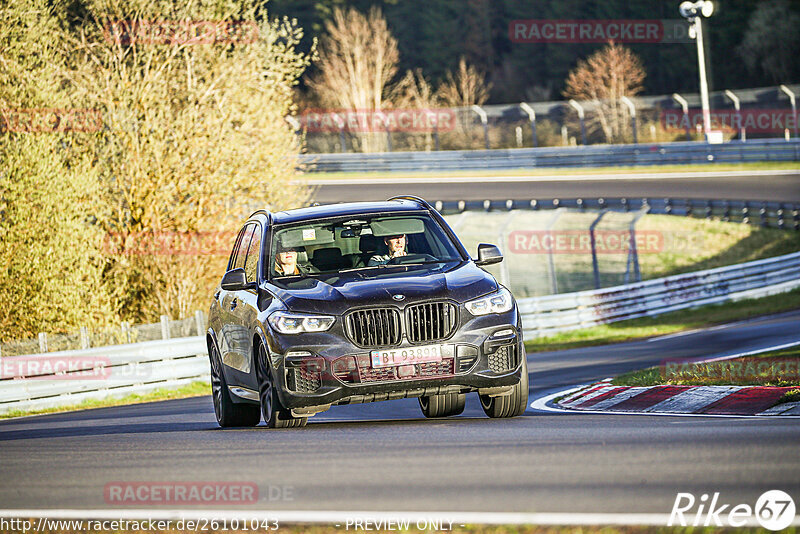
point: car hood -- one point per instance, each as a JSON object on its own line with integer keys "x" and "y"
{"x": 338, "y": 293}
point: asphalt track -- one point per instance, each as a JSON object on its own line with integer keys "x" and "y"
{"x": 386, "y": 457}
{"x": 778, "y": 186}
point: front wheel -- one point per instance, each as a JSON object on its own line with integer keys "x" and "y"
{"x": 442, "y": 405}
{"x": 275, "y": 415}
{"x": 509, "y": 405}
{"x": 228, "y": 413}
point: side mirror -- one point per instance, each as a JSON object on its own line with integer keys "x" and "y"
{"x": 234, "y": 280}
{"x": 488, "y": 254}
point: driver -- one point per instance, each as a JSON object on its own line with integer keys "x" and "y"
{"x": 286, "y": 261}
{"x": 397, "y": 247}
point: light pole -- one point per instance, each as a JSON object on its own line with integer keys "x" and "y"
{"x": 694, "y": 13}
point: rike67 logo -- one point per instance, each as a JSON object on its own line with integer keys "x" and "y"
{"x": 774, "y": 510}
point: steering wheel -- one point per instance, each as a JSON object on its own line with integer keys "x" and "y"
{"x": 410, "y": 258}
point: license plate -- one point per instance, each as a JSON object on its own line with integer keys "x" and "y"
{"x": 406, "y": 356}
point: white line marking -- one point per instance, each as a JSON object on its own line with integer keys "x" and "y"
{"x": 544, "y": 178}
{"x": 751, "y": 352}
{"x": 341, "y": 517}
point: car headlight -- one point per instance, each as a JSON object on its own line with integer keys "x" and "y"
{"x": 298, "y": 323}
{"x": 499, "y": 302}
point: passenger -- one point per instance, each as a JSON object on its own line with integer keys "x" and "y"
{"x": 286, "y": 261}
{"x": 397, "y": 247}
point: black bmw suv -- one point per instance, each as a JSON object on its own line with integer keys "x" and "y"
{"x": 360, "y": 302}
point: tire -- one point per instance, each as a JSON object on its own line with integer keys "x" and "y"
{"x": 509, "y": 405}
{"x": 228, "y": 413}
{"x": 442, "y": 405}
{"x": 275, "y": 415}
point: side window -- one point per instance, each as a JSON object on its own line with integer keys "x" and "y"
{"x": 241, "y": 251}
{"x": 238, "y": 240}
{"x": 251, "y": 264}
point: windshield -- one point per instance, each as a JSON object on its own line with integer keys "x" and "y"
{"x": 358, "y": 243}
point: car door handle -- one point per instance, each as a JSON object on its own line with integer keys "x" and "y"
{"x": 234, "y": 303}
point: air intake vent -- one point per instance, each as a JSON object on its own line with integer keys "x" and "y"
{"x": 378, "y": 327}
{"x": 430, "y": 322}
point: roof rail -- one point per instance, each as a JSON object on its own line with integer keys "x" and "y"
{"x": 414, "y": 198}
{"x": 263, "y": 212}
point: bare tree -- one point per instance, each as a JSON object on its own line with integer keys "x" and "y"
{"x": 461, "y": 90}
{"x": 467, "y": 87}
{"x": 357, "y": 60}
{"x": 604, "y": 78}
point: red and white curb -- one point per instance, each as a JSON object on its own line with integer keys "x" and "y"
{"x": 698, "y": 400}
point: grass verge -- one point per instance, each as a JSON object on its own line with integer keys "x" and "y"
{"x": 668, "y": 323}
{"x": 195, "y": 389}
{"x": 563, "y": 171}
{"x": 779, "y": 368}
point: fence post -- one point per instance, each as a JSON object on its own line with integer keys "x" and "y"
{"x": 200, "y": 320}
{"x": 581, "y": 116}
{"x": 532, "y": 116}
{"x": 685, "y": 107}
{"x": 164, "y": 327}
{"x": 550, "y": 260}
{"x": 126, "y": 331}
{"x": 633, "y": 253}
{"x": 632, "y": 109}
{"x": 593, "y": 241}
{"x": 42, "y": 342}
{"x": 84, "y": 337}
{"x": 485, "y": 122}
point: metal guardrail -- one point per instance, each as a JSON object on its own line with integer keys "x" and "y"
{"x": 64, "y": 378}
{"x": 142, "y": 367}
{"x": 547, "y": 315}
{"x": 782, "y": 215}
{"x": 759, "y": 150}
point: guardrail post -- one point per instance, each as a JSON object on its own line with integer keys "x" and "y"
{"x": 685, "y": 107}
{"x": 200, "y": 321}
{"x": 42, "y": 342}
{"x": 485, "y": 122}
{"x": 84, "y": 337}
{"x": 518, "y": 132}
{"x": 164, "y": 327}
{"x": 126, "y": 331}
{"x": 581, "y": 116}
{"x": 532, "y": 117}
{"x": 593, "y": 241}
